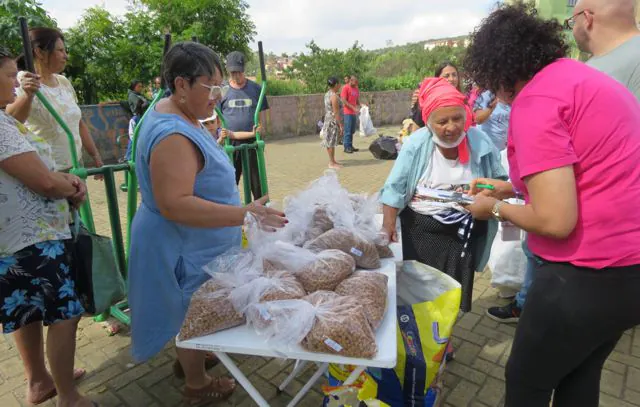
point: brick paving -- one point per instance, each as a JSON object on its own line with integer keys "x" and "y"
{"x": 475, "y": 378}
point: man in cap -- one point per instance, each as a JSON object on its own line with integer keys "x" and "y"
{"x": 238, "y": 107}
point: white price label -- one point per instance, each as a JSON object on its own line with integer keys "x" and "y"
{"x": 356, "y": 252}
{"x": 333, "y": 344}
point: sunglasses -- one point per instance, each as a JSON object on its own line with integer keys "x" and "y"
{"x": 570, "y": 22}
{"x": 215, "y": 92}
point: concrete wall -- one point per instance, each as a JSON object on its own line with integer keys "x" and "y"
{"x": 289, "y": 116}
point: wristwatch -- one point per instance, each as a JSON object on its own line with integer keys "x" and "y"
{"x": 496, "y": 211}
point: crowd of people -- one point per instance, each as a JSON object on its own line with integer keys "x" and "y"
{"x": 562, "y": 135}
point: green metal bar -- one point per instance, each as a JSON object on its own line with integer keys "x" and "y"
{"x": 114, "y": 219}
{"x": 246, "y": 176}
{"x": 118, "y": 312}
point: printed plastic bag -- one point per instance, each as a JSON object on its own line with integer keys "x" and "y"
{"x": 428, "y": 305}
{"x": 366, "y": 124}
{"x": 507, "y": 263}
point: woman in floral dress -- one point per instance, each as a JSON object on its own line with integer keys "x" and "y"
{"x": 332, "y": 127}
{"x": 36, "y": 281}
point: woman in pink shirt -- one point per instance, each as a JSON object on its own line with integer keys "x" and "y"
{"x": 574, "y": 153}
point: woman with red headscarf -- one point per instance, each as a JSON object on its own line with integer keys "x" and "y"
{"x": 444, "y": 155}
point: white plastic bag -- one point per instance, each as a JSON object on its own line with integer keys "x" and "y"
{"x": 366, "y": 124}
{"x": 507, "y": 262}
{"x": 274, "y": 285}
{"x": 283, "y": 323}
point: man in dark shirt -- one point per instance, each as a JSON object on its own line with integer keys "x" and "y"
{"x": 238, "y": 107}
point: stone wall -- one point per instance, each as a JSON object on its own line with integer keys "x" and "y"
{"x": 288, "y": 116}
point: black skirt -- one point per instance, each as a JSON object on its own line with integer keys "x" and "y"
{"x": 430, "y": 242}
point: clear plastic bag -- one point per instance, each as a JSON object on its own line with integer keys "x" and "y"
{"x": 329, "y": 269}
{"x": 210, "y": 311}
{"x": 283, "y": 323}
{"x": 341, "y": 327}
{"x": 370, "y": 289}
{"x": 273, "y": 286}
{"x": 286, "y": 256}
{"x": 364, "y": 252}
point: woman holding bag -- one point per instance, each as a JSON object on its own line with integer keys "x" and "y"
{"x": 574, "y": 148}
{"x": 36, "y": 283}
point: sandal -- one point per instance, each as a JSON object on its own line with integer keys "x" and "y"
{"x": 77, "y": 375}
{"x": 210, "y": 362}
{"x": 214, "y": 392}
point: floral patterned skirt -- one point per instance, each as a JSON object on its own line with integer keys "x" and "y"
{"x": 330, "y": 132}
{"x": 37, "y": 285}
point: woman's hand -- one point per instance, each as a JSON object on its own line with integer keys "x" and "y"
{"x": 97, "y": 160}
{"x": 390, "y": 231}
{"x": 81, "y": 190}
{"x": 482, "y": 207}
{"x": 501, "y": 189}
{"x": 30, "y": 83}
{"x": 269, "y": 219}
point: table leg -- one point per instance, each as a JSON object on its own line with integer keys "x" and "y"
{"x": 354, "y": 375}
{"x": 299, "y": 366}
{"x": 242, "y": 379}
{"x": 322, "y": 369}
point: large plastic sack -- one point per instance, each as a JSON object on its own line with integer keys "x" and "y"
{"x": 428, "y": 306}
{"x": 507, "y": 262}
{"x": 384, "y": 148}
{"x": 366, "y": 124}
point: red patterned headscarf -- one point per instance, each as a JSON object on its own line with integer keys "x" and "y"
{"x": 436, "y": 93}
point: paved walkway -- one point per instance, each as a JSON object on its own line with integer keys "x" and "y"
{"x": 475, "y": 378}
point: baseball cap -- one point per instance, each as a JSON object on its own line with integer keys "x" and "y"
{"x": 235, "y": 62}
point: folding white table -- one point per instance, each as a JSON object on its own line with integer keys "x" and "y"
{"x": 244, "y": 340}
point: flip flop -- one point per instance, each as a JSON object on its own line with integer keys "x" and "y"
{"x": 77, "y": 375}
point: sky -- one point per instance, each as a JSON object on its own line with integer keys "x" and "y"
{"x": 287, "y": 25}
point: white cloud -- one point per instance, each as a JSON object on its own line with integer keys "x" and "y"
{"x": 287, "y": 25}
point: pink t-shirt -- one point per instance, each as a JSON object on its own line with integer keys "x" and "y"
{"x": 571, "y": 114}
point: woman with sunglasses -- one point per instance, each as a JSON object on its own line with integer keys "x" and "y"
{"x": 190, "y": 213}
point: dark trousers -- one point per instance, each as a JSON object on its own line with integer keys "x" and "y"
{"x": 572, "y": 321}
{"x": 254, "y": 174}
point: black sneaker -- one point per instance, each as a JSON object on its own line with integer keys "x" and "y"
{"x": 509, "y": 314}
{"x": 348, "y": 150}
{"x": 355, "y": 150}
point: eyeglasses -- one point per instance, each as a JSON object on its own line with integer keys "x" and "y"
{"x": 215, "y": 92}
{"x": 570, "y": 22}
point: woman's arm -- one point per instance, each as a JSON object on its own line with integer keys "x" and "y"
{"x": 21, "y": 108}
{"x": 336, "y": 109}
{"x": 390, "y": 214}
{"x": 89, "y": 145}
{"x": 175, "y": 162}
{"x": 29, "y": 169}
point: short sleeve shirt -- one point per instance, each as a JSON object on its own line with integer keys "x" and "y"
{"x": 239, "y": 106}
{"x": 41, "y": 123}
{"x": 497, "y": 124}
{"x": 351, "y": 95}
{"x": 27, "y": 217}
{"x": 570, "y": 114}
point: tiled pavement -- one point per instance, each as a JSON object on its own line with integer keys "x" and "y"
{"x": 475, "y": 378}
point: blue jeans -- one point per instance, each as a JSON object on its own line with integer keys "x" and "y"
{"x": 127, "y": 154}
{"x": 349, "y": 129}
{"x": 529, "y": 274}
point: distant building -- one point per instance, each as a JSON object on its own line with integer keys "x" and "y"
{"x": 447, "y": 42}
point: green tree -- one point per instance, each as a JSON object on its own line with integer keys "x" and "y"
{"x": 10, "y": 10}
{"x": 223, "y": 25}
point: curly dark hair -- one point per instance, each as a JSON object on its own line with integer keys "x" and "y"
{"x": 511, "y": 45}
